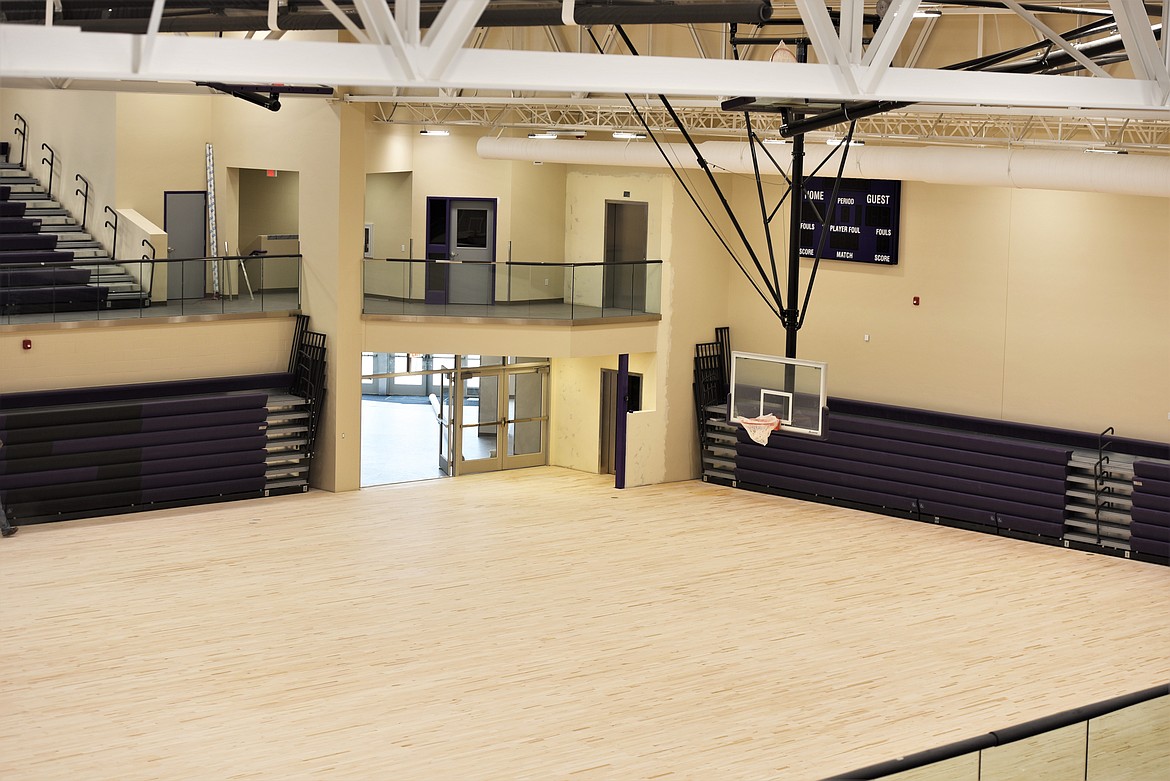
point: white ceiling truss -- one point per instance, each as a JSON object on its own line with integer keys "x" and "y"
{"x": 923, "y": 124}
{"x": 546, "y": 75}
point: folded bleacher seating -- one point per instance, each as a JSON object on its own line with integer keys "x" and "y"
{"x": 975, "y": 473}
{"x": 1150, "y": 528}
{"x": 74, "y": 453}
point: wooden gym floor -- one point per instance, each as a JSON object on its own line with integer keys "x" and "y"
{"x": 539, "y": 624}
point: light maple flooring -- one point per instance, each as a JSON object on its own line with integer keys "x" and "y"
{"x": 539, "y": 624}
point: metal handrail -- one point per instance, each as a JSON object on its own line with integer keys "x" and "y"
{"x": 538, "y": 264}
{"x": 114, "y": 226}
{"x": 84, "y": 197}
{"x": 1099, "y": 476}
{"x": 21, "y": 131}
{"x": 1003, "y": 737}
{"x": 51, "y": 160}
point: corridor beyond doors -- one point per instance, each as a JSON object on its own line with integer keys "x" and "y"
{"x": 440, "y": 415}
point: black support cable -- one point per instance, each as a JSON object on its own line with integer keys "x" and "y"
{"x": 763, "y": 205}
{"x": 711, "y": 178}
{"x": 829, "y": 209}
{"x": 702, "y": 213}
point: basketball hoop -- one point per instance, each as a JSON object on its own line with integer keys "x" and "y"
{"x": 759, "y": 429}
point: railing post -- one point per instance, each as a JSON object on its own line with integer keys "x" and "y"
{"x": 51, "y": 161}
{"x": 21, "y": 131}
{"x": 84, "y": 197}
{"x": 113, "y": 226}
{"x": 1099, "y": 477}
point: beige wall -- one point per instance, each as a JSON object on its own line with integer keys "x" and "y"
{"x": 661, "y": 444}
{"x": 325, "y": 143}
{"x": 81, "y": 128}
{"x": 388, "y": 209}
{"x": 139, "y": 352}
{"x": 389, "y": 148}
{"x": 162, "y": 145}
{"x": 1042, "y": 307}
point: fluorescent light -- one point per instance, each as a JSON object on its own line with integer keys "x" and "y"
{"x": 926, "y": 14}
{"x": 839, "y": 141}
{"x": 434, "y": 132}
{"x": 542, "y": 135}
{"x": 1098, "y": 151}
{"x": 627, "y": 134}
{"x": 775, "y": 141}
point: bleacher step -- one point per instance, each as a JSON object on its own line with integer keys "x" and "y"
{"x": 1107, "y": 529}
{"x": 1105, "y": 497}
{"x": 1104, "y": 542}
{"x": 1113, "y": 516}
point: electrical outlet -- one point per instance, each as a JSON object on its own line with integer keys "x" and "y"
{"x": 867, "y": 337}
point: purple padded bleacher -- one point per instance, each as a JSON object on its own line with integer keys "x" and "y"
{"x": 18, "y": 241}
{"x": 1150, "y": 527}
{"x": 19, "y": 225}
{"x": 1000, "y": 428}
{"x": 928, "y": 472}
{"x": 82, "y": 452}
{"x": 35, "y": 257}
{"x": 55, "y": 297}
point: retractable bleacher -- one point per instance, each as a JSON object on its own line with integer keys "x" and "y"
{"x": 994, "y": 476}
{"x": 84, "y": 452}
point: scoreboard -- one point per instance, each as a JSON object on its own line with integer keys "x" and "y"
{"x": 864, "y": 225}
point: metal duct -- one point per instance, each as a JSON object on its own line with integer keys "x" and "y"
{"x": 132, "y": 16}
{"x": 1021, "y": 168}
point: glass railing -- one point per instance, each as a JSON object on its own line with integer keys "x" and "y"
{"x": 527, "y": 291}
{"x": 1123, "y": 738}
{"x": 82, "y": 290}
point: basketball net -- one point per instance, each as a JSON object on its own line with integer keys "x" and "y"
{"x": 759, "y": 429}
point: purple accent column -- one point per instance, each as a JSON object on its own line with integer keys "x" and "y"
{"x": 623, "y": 390}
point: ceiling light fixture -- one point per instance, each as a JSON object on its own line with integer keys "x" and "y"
{"x": 839, "y": 141}
{"x": 927, "y": 14}
{"x": 626, "y": 134}
{"x": 542, "y": 135}
{"x": 434, "y": 132}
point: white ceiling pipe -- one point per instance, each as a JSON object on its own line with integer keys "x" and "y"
{"x": 1022, "y": 168}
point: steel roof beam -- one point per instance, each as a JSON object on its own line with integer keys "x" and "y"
{"x": 57, "y": 52}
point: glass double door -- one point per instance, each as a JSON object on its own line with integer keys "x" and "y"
{"x": 498, "y": 418}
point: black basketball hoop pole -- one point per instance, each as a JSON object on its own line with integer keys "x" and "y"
{"x": 791, "y": 320}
